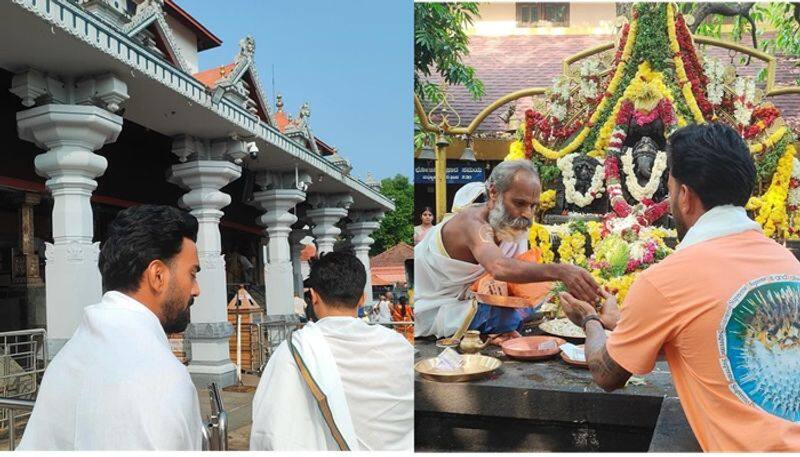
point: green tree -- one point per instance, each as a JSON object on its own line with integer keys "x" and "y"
{"x": 782, "y": 17}
{"x": 396, "y": 225}
{"x": 440, "y": 44}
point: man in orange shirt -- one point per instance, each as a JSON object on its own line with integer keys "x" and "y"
{"x": 724, "y": 308}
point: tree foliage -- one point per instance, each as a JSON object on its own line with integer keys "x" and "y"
{"x": 781, "y": 19}
{"x": 396, "y": 225}
{"x": 440, "y": 44}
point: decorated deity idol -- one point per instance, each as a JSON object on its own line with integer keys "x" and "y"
{"x": 582, "y": 187}
{"x": 644, "y": 172}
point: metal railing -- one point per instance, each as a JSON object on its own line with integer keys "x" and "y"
{"x": 271, "y": 333}
{"x": 12, "y": 405}
{"x": 23, "y": 359}
{"x": 215, "y": 432}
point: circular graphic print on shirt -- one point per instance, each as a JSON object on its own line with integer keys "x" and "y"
{"x": 759, "y": 342}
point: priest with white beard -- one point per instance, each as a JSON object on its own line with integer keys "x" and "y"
{"x": 364, "y": 372}
{"x": 115, "y": 385}
{"x": 484, "y": 238}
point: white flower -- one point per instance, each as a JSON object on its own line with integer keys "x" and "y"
{"x": 745, "y": 90}
{"x": 588, "y": 89}
{"x": 793, "y": 198}
{"x": 595, "y": 190}
{"x": 638, "y": 192}
{"x": 558, "y": 111}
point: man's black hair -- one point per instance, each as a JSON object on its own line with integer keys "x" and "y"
{"x": 714, "y": 161}
{"x": 138, "y": 236}
{"x": 338, "y": 278}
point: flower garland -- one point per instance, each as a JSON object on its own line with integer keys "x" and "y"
{"x": 638, "y": 192}
{"x": 745, "y": 90}
{"x": 762, "y": 119}
{"x": 771, "y": 206}
{"x": 547, "y": 200}
{"x": 539, "y": 237}
{"x": 611, "y": 89}
{"x": 589, "y": 71}
{"x": 642, "y": 214}
{"x": 688, "y": 69}
{"x": 715, "y": 70}
{"x": 516, "y": 151}
{"x": 595, "y": 190}
{"x": 568, "y": 149}
{"x": 614, "y": 188}
{"x": 572, "y": 249}
{"x": 595, "y": 230}
{"x": 776, "y": 136}
{"x": 645, "y": 83}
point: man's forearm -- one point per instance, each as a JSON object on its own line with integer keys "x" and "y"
{"x": 605, "y": 371}
{"x": 518, "y": 271}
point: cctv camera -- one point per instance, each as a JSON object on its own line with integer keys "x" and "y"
{"x": 252, "y": 149}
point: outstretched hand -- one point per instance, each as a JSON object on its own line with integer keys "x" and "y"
{"x": 579, "y": 283}
{"x": 576, "y": 310}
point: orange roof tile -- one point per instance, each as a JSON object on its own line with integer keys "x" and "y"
{"x": 393, "y": 257}
{"x": 386, "y": 276}
{"x": 281, "y": 120}
{"x": 210, "y": 77}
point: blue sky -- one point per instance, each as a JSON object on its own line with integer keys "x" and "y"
{"x": 352, "y": 60}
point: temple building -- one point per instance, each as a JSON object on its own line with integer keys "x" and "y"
{"x": 103, "y": 106}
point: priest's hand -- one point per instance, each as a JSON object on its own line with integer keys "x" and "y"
{"x": 579, "y": 283}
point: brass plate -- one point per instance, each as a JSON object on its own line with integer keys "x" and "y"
{"x": 475, "y": 366}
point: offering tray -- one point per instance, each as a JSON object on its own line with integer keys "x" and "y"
{"x": 563, "y": 328}
{"x": 475, "y": 366}
{"x": 527, "y": 347}
{"x": 575, "y": 363}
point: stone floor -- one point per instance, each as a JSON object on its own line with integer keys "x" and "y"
{"x": 239, "y": 406}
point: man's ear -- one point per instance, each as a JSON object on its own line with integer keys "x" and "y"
{"x": 156, "y": 276}
{"x": 361, "y": 300}
{"x": 491, "y": 192}
{"x": 314, "y": 297}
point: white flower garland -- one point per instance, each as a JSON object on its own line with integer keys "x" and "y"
{"x": 638, "y": 192}
{"x": 793, "y": 198}
{"x": 558, "y": 107}
{"x": 595, "y": 190}
{"x": 589, "y": 70}
{"x": 745, "y": 90}
{"x": 715, "y": 70}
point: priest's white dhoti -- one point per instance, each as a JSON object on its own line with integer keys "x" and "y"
{"x": 366, "y": 372}
{"x": 441, "y": 284}
{"x": 115, "y": 385}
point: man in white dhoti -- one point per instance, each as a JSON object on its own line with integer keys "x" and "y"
{"x": 364, "y": 371}
{"x": 116, "y": 385}
{"x": 484, "y": 238}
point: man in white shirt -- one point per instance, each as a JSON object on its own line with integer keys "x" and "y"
{"x": 385, "y": 308}
{"x": 365, "y": 371}
{"x": 116, "y": 385}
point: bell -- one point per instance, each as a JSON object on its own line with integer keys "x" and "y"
{"x": 426, "y": 153}
{"x": 468, "y": 154}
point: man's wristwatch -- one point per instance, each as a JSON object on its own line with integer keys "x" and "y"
{"x": 591, "y": 317}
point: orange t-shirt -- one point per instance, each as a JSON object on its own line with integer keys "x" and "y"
{"x": 731, "y": 337}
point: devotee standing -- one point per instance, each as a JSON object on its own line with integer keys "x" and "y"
{"x": 365, "y": 371}
{"x": 384, "y": 313}
{"x": 426, "y": 223}
{"x": 484, "y": 238}
{"x": 723, "y": 307}
{"x": 403, "y": 313}
{"x": 116, "y": 385}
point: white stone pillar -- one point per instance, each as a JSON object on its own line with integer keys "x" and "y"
{"x": 209, "y": 330}
{"x": 73, "y": 119}
{"x": 364, "y": 224}
{"x": 295, "y": 236}
{"x": 70, "y": 133}
{"x": 328, "y": 210}
{"x": 283, "y": 193}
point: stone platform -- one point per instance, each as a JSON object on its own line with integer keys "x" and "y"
{"x": 542, "y": 406}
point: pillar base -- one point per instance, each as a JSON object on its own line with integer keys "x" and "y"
{"x": 210, "y": 354}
